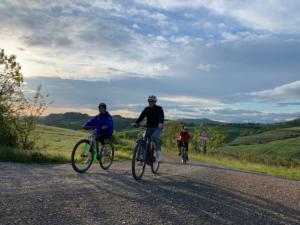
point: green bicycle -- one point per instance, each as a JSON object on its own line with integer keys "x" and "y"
{"x": 85, "y": 150}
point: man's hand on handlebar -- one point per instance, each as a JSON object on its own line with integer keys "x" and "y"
{"x": 135, "y": 125}
{"x": 160, "y": 126}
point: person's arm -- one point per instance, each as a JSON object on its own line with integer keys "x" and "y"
{"x": 161, "y": 116}
{"x": 141, "y": 117}
{"x": 90, "y": 124}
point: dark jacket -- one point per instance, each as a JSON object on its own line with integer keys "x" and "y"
{"x": 154, "y": 115}
{"x": 98, "y": 122}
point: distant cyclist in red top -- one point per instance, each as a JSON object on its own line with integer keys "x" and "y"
{"x": 183, "y": 138}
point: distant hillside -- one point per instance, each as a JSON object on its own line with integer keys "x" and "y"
{"x": 192, "y": 122}
{"x": 75, "y": 120}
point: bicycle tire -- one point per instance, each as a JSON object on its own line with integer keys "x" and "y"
{"x": 154, "y": 165}
{"x": 74, "y": 160}
{"x": 184, "y": 155}
{"x": 101, "y": 159}
{"x": 137, "y": 176}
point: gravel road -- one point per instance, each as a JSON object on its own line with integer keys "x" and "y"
{"x": 181, "y": 194}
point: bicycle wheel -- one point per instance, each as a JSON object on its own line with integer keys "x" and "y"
{"x": 106, "y": 156}
{"x": 138, "y": 161}
{"x": 184, "y": 156}
{"x": 82, "y": 156}
{"x": 154, "y": 162}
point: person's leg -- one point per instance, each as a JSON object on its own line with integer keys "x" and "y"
{"x": 100, "y": 139}
{"x": 179, "y": 147}
{"x": 155, "y": 138}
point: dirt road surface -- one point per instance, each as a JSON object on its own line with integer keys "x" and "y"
{"x": 181, "y": 194}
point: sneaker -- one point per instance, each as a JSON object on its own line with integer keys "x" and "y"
{"x": 105, "y": 152}
{"x": 158, "y": 156}
{"x": 84, "y": 154}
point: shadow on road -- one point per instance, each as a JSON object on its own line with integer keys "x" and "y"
{"x": 183, "y": 200}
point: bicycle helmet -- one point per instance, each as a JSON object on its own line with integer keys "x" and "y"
{"x": 152, "y": 98}
{"x": 102, "y": 104}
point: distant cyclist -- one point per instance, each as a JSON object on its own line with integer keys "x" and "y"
{"x": 104, "y": 125}
{"x": 183, "y": 138}
{"x": 155, "y": 120}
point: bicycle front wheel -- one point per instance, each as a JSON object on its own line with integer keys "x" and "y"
{"x": 82, "y": 156}
{"x": 154, "y": 161}
{"x": 138, "y": 161}
{"x": 106, "y": 156}
{"x": 184, "y": 156}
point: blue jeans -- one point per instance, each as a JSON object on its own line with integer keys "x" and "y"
{"x": 155, "y": 132}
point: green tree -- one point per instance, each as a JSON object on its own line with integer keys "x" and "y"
{"x": 170, "y": 134}
{"x": 11, "y": 95}
{"x": 215, "y": 138}
{"x": 18, "y": 113}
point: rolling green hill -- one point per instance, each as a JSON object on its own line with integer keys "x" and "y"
{"x": 276, "y": 147}
{"x": 75, "y": 120}
{"x": 264, "y": 137}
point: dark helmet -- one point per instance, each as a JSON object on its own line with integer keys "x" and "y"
{"x": 102, "y": 104}
{"x": 152, "y": 98}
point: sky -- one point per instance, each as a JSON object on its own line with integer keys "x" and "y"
{"x": 231, "y": 61}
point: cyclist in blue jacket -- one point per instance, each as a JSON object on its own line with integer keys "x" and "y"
{"x": 103, "y": 123}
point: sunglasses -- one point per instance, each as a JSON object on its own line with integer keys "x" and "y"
{"x": 151, "y": 101}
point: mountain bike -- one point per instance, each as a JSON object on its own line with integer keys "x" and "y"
{"x": 184, "y": 153}
{"x": 85, "y": 150}
{"x": 144, "y": 153}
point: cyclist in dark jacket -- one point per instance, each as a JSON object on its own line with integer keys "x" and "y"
{"x": 103, "y": 123}
{"x": 155, "y": 120}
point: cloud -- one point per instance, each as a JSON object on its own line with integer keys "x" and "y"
{"x": 274, "y": 16}
{"x": 289, "y": 104}
{"x": 230, "y": 115}
{"x": 206, "y": 67}
{"x": 50, "y": 110}
{"x": 186, "y": 100}
{"x": 125, "y": 113}
{"x": 290, "y": 90}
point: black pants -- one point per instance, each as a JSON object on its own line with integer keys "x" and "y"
{"x": 102, "y": 138}
{"x": 180, "y": 144}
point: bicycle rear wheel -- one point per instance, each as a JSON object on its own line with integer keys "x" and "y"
{"x": 106, "y": 156}
{"x": 82, "y": 156}
{"x": 138, "y": 161}
{"x": 154, "y": 161}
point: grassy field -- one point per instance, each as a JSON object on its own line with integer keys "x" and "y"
{"x": 264, "y": 137}
{"x": 55, "y": 145}
{"x": 280, "y": 147}
{"x": 278, "y": 154}
{"x": 229, "y": 162}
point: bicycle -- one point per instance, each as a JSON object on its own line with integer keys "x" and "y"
{"x": 144, "y": 153}
{"x": 184, "y": 153}
{"x": 84, "y": 151}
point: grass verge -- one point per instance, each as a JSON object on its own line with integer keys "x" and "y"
{"x": 227, "y": 162}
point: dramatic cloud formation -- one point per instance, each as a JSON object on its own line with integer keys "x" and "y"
{"x": 287, "y": 91}
{"x": 206, "y": 56}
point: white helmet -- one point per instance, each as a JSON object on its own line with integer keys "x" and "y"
{"x": 152, "y": 98}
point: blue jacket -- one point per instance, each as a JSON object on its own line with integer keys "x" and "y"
{"x": 98, "y": 122}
